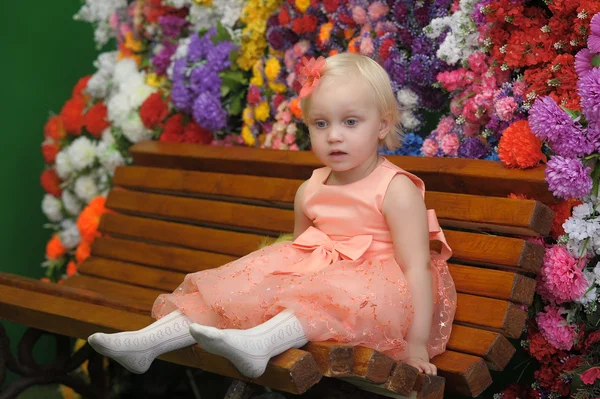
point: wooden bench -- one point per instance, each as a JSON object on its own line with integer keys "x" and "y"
{"x": 185, "y": 208}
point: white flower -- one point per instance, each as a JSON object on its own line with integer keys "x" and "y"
{"x": 97, "y": 86}
{"x": 82, "y": 153}
{"x": 138, "y": 93}
{"x": 124, "y": 70}
{"x": 590, "y": 293}
{"x": 69, "y": 235}
{"x": 134, "y": 129}
{"x": 177, "y": 3}
{"x": 407, "y": 98}
{"x": 100, "y": 83}
{"x": 409, "y": 121}
{"x": 107, "y": 137}
{"x": 582, "y": 211}
{"x": 85, "y": 188}
{"x": 52, "y": 208}
{"x": 99, "y": 12}
{"x": 110, "y": 157}
{"x": 579, "y": 229}
{"x": 106, "y": 62}
{"x": 64, "y": 167}
{"x": 72, "y": 205}
{"x": 597, "y": 273}
{"x": 118, "y": 108}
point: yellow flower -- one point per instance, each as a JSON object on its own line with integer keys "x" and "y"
{"x": 302, "y": 5}
{"x": 272, "y": 68}
{"x": 248, "y": 116}
{"x": 255, "y": 15}
{"x": 262, "y": 111}
{"x": 154, "y": 80}
{"x": 206, "y": 3}
{"x": 132, "y": 44}
{"x": 248, "y": 136}
{"x": 257, "y": 78}
{"x": 325, "y": 33}
{"x": 278, "y": 87}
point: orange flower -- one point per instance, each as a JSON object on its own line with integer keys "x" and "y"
{"x": 352, "y": 48}
{"x": 333, "y": 52}
{"x": 71, "y": 268}
{"x": 309, "y": 74}
{"x": 295, "y": 108}
{"x": 562, "y": 211}
{"x": 519, "y": 147}
{"x": 325, "y": 33}
{"x": 49, "y": 151}
{"x": 72, "y": 115}
{"x": 55, "y": 129}
{"x": 55, "y": 248}
{"x": 45, "y": 280}
{"x": 78, "y": 90}
{"x": 83, "y": 251}
{"x": 96, "y": 119}
{"x": 89, "y": 219}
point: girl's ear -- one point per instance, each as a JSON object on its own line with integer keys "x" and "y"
{"x": 384, "y": 127}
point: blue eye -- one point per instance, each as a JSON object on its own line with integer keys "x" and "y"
{"x": 320, "y": 124}
{"x": 351, "y": 122}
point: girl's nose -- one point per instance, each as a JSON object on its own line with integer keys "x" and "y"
{"x": 334, "y": 135}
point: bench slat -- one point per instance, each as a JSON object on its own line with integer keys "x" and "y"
{"x": 440, "y": 174}
{"x": 456, "y": 210}
{"x": 481, "y": 249}
{"x": 293, "y": 371}
{"x": 468, "y": 279}
{"x": 465, "y": 374}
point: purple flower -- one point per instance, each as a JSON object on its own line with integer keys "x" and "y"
{"x": 199, "y": 47}
{"x": 589, "y": 91}
{"x": 162, "y": 60}
{"x": 548, "y": 121}
{"x": 583, "y": 61}
{"x": 594, "y": 38}
{"x": 568, "y": 178}
{"x": 593, "y": 134}
{"x": 181, "y": 96}
{"x": 395, "y": 66}
{"x": 400, "y": 11}
{"x": 208, "y": 113}
{"x": 218, "y": 56}
{"x": 421, "y": 14}
{"x": 421, "y": 45}
{"x": 420, "y": 69}
{"x": 179, "y": 69}
{"x": 171, "y": 25}
{"x": 205, "y": 80}
{"x": 472, "y": 148}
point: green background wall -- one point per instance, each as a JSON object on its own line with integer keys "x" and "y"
{"x": 45, "y": 52}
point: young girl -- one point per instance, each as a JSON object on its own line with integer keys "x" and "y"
{"x": 359, "y": 270}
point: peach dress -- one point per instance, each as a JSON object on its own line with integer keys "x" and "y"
{"x": 340, "y": 276}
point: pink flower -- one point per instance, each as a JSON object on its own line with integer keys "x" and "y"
{"x": 590, "y": 376}
{"x": 456, "y": 105}
{"x": 477, "y": 63}
{"x": 276, "y": 143}
{"x": 359, "y": 15}
{"x": 289, "y": 138}
{"x": 561, "y": 279}
{"x": 377, "y": 10}
{"x": 554, "y": 328}
{"x": 294, "y": 147}
{"x": 452, "y": 80}
{"x": 471, "y": 129}
{"x": 470, "y": 111}
{"x": 594, "y": 37}
{"x": 285, "y": 117}
{"x": 366, "y": 46}
{"x": 291, "y": 129}
{"x": 519, "y": 87}
{"x": 446, "y": 124}
{"x": 114, "y": 20}
{"x": 301, "y": 48}
{"x": 429, "y": 147}
{"x": 309, "y": 74}
{"x": 583, "y": 61}
{"x": 450, "y": 144}
{"x": 505, "y": 108}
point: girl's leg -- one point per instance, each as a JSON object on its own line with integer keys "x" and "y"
{"x": 250, "y": 350}
{"x": 135, "y": 350}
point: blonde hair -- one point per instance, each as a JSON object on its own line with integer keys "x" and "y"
{"x": 346, "y": 64}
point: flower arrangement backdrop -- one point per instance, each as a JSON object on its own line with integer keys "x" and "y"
{"x": 512, "y": 81}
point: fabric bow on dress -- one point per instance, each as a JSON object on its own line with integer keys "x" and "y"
{"x": 325, "y": 251}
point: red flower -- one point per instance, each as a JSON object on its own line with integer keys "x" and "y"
{"x": 173, "y": 131}
{"x": 54, "y": 129}
{"x": 305, "y": 24}
{"x": 153, "y": 111}
{"x": 278, "y": 99}
{"x": 592, "y": 339}
{"x": 96, "y": 119}
{"x": 539, "y": 347}
{"x": 49, "y": 151}
{"x": 284, "y": 16}
{"x": 519, "y": 147}
{"x": 384, "y": 50}
{"x": 331, "y": 5}
{"x": 51, "y": 182}
{"x": 253, "y": 95}
{"x": 562, "y": 211}
{"x": 589, "y": 376}
{"x": 80, "y": 87}
{"x": 193, "y": 133}
{"x": 72, "y": 115}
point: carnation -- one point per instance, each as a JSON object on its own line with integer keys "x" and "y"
{"x": 561, "y": 277}
{"x": 134, "y": 129}
{"x": 52, "y": 208}
{"x": 69, "y": 235}
{"x": 568, "y": 178}
{"x": 82, "y": 153}
{"x": 85, "y": 188}
{"x": 63, "y": 164}
{"x": 407, "y": 98}
{"x": 72, "y": 205}
{"x": 589, "y": 91}
{"x": 125, "y": 69}
{"x": 109, "y": 157}
{"x": 119, "y": 108}
{"x": 555, "y": 328}
{"x": 519, "y": 147}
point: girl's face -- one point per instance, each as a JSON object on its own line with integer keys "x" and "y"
{"x": 345, "y": 123}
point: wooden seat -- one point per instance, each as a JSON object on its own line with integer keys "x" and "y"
{"x": 186, "y": 208}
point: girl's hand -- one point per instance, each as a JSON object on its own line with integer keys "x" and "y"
{"x": 417, "y": 356}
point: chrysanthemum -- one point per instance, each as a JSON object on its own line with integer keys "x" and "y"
{"x": 561, "y": 279}
{"x": 568, "y": 178}
{"x": 555, "y": 329}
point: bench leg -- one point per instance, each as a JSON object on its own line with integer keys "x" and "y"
{"x": 56, "y": 372}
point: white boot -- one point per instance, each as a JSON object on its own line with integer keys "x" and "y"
{"x": 136, "y": 350}
{"x": 250, "y": 350}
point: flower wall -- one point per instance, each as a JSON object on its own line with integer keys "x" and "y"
{"x": 513, "y": 81}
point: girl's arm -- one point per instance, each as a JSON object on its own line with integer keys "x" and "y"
{"x": 301, "y": 221}
{"x": 406, "y": 215}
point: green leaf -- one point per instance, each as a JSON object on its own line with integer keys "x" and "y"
{"x": 221, "y": 35}
{"x": 572, "y": 114}
{"x": 236, "y": 106}
{"x": 202, "y": 32}
{"x": 596, "y": 179}
{"x": 225, "y": 90}
{"x": 596, "y": 60}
